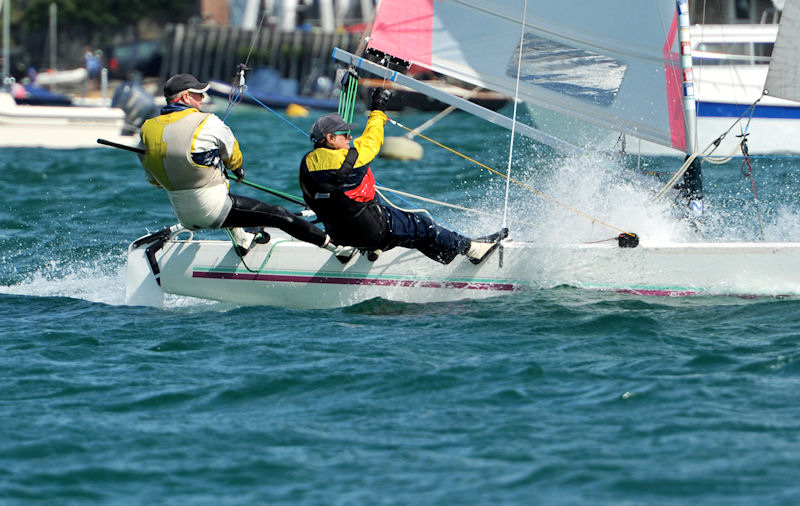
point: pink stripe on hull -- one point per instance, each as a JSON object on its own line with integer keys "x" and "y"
{"x": 658, "y": 293}
{"x": 284, "y": 278}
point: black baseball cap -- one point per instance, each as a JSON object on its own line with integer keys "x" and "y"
{"x": 181, "y": 82}
{"x": 329, "y": 124}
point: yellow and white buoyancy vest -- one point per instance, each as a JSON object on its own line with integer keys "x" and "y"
{"x": 198, "y": 193}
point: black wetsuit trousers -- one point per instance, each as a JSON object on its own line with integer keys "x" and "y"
{"x": 418, "y": 230}
{"x": 247, "y": 212}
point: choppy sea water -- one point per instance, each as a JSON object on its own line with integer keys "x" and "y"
{"x": 556, "y": 396}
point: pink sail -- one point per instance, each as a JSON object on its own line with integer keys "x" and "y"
{"x": 405, "y": 30}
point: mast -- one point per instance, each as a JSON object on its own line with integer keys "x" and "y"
{"x": 687, "y": 77}
{"x": 693, "y": 178}
{"x": 5, "y": 6}
{"x": 53, "y": 34}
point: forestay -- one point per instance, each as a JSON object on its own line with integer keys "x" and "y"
{"x": 613, "y": 63}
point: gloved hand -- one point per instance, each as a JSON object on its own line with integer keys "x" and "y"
{"x": 238, "y": 174}
{"x": 380, "y": 97}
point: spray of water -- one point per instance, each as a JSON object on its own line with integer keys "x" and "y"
{"x": 594, "y": 200}
{"x": 101, "y": 280}
{"x": 593, "y": 191}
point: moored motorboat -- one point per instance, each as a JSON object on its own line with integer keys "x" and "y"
{"x": 59, "y": 127}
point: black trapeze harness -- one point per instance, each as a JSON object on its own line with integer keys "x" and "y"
{"x": 348, "y": 221}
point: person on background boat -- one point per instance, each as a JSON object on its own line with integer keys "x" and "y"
{"x": 338, "y": 185}
{"x": 93, "y": 66}
{"x": 187, "y": 152}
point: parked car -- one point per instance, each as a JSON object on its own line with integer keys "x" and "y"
{"x": 141, "y": 58}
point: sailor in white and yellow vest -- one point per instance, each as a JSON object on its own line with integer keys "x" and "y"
{"x": 186, "y": 152}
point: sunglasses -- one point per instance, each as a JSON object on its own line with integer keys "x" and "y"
{"x": 345, "y": 133}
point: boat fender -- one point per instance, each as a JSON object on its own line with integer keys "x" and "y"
{"x": 628, "y": 240}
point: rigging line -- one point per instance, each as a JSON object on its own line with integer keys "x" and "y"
{"x": 233, "y": 99}
{"x": 270, "y": 109}
{"x": 752, "y": 110}
{"x": 749, "y": 173}
{"x": 236, "y": 250}
{"x": 720, "y": 160}
{"x": 389, "y": 203}
{"x": 674, "y": 179}
{"x": 410, "y": 210}
{"x": 446, "y": 204}
{"x": 747, "y": 112}
{"x": 712, "y": 146}
{"x": 514, "y": 115}
{"x": 242, "y": 67}
{"x": 378, "y": 189}
{"x": 255, "y": 36}
{"x": 352, "y": 96}
{"x": 518, "y": 183}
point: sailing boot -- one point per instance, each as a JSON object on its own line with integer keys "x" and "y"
{"x": 480, "y": 248}
{"x": 242, "y": 241}
{"x": 343, "y": 253}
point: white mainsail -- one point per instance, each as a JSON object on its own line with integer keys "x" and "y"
{"x": 614, "y": 63}
{"x": 783, "y": 77}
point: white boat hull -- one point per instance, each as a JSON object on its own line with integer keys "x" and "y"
{"x": 62, "y": 77}
{"x": 294, "y": 274}
{"x": 59, "y": 127}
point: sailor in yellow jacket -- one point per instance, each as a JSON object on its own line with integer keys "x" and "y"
{"x": 186, "y": 152}
{"x": 338, "y": 185}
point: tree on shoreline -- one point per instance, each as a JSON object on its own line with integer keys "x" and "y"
{"x": 94, "y": 23}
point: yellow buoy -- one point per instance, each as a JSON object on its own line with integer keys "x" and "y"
{"x": 401, "y": 148}
{"x": 296, "y": 111}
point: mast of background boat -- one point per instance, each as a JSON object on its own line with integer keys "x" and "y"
{"x": 53, "y": 34}
{"x": 692, "y": 178}
{"x": 5, "y": 5}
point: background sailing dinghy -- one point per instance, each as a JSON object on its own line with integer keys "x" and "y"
{"x": 729, "y": 80}
{"x": 626, "y": 77}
